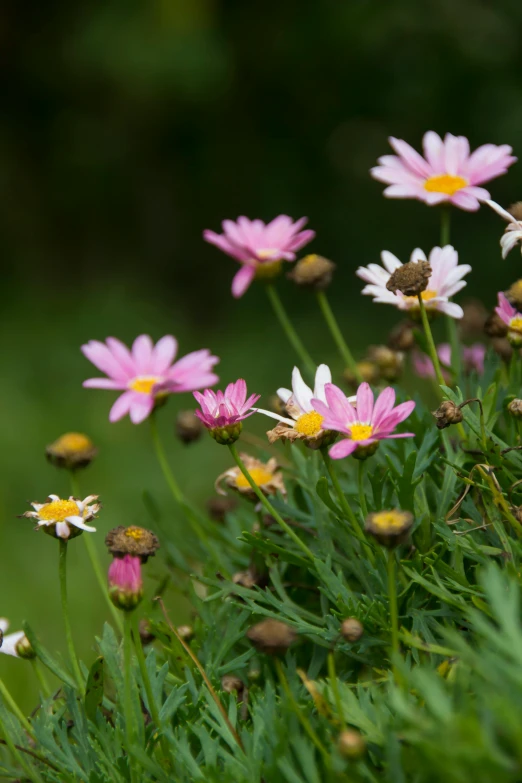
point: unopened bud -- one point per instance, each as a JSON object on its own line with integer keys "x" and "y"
{"x": 232, "y": 684}
{"x": 71, "y": 451}
{"x": 351, "y": 629}
{"x": 125, "y": 582}
{"x": 24, "y": 649}
{"x": 390, "y": 363}
{"x": 312, "y": 271}
{"x": 351, "y": 744}
{"x": 495, "y": 326}
{"x": 218, "y": 508}
{"x": 145, "y": 630}
{"x": 188, "y": 427}
{"x": 186, "y": 632}
{"x": 271, "y": 636}
{"x": 410, "y": 279}
{"x": 389, "y": 528}
{"x": 515, "y": 408}
{"x": 368, "y": 371}
{"x": 401, "y": 337}
{"x": 447, "y": 413}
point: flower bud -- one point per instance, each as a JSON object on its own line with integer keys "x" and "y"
{"x": 188, "y": 427}
{"x": 368, "y": 371}
{"x": 351, "y": 629}
{"x": 389, "y": 528}
{"x": 495, "y": 326}
{"x": 71, "y": 451}
{"x": 132, "y": 540}
{"x": 448, "y": 413}
{"x": 186, "y": 632}
{"x": 401, "y": 337}
{"x": 390, "y": 363}
{"x": 218, "y": 508}
{"x": 515, "y": 408}
{"x": 351, "y": 744}
{"x": 125, "y": 582}
{"x": 232, "y": 684}
{"x": 271, "y": 636}
{"x": 228, "y": 434}
{"x": 24, "y": 649}
{"x": 145, "y": 630}
{"x": 312, "y": 271}
{"x": 410, "y": 279}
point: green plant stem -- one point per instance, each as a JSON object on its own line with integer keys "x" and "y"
{"x": 62, "y": 570}
{"x": 95, "y": 560}
{"x": 305, "y": 723}
{"x": 336, "y": 333}
{"x": 289, "y": 330}
{"x": 130, "y": 726}
{"x": 451, "y": 325}
{"x": 15, "y": 709}
{"x": 335, "y": 689}
{"x": 431, "y": 344}
{"x": 19, "y": 757}
{"x": 360, "y": 482}
{"x": 445, "y": 221}
{"x": 40, "y": 676}
{"x": 394, "y": 616}
{"x": 267, "y": 505}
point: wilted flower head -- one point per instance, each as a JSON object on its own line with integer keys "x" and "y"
{"x": 364, "y": 424}
{"x": 513, "y": 232}
{"x": 133, "y": 540}
{"x": 258, "y": 247}
{"x": 448, "y": 413}
{"x": 445, "y": 281}
{"x": 146, "y": 373}
{"x": 16, "y": 644}
{"x": 472, "y": 359}
{"x": 71, "y": 451}
{"x": 125, "y": 582}
{"x": 223, "y": 412}
{"x": 265, "y": 475}
{"x": 65, "y": 518}
{"x": 447, "y": 172}
{"x": 512, "y": 318}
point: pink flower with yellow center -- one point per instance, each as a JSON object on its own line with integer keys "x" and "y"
{"x": 259, "y": 247}
{"x": 472, "y": 359}
{"x": 445, "y": 281}
{"x": 146, "y": 373}
{"x": 364, "y": 424}
{"x": 223, "y": 412}
{"x": 447, "y": 172}
{"x": 512, "y": 318}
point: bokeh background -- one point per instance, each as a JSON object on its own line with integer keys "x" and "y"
{"x": 129, "y": 127}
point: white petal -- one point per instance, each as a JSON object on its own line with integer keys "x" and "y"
{"x": 4, "y": 624}
{"x": 502, "y": 212}
{"x": 418, "y": 255}
{"x": 273, "y": 415}
{"x": 322, "y": 376}
{"x": 9, "y": 644}
{"x": 52, "y": 497}
{"x": 301, "y": 392}
{"x": 390, "y": 261}
{"x": 63, "y": 530}
{"x": 284, "y": 394}
{"x": 78, "y": 522}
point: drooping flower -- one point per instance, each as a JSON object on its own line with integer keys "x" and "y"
{"x": 65, "y": 518}
{"x": 125, "y": 582}
{"x": 447, "y": 172}
{"x": 513, "y": 231}
{"x": 512, "y": 318}
{"x": 472, "y": 359}
{"x": 305, "y": 423}
{"x": 364, "y": 424}
{"x": 16, "y": 644}
{"x": 259, "y": 248}
{"x": 223, "y": 412}
{"x": 146, "y": 374}
{"x": 265, "y": 475}
{"x": 445, "y": 281}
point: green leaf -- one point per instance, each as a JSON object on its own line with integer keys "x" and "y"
{"x": 266, "y": 546}
{"x": 323, "y": 491}
{"x": 94, "y": 689}
{"x": 46, "y": 658}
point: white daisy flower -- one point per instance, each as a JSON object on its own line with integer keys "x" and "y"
{"x": 445, "y": 281}
{"x": 16, "y": 644}
{"x": 513, "y": 232}
{"x": 65, "y": 518}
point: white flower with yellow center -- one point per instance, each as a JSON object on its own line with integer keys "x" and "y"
{"x": 16, "y": 644}
{"x": 65, "y": 518}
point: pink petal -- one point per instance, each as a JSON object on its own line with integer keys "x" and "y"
{"x": 465, "y": 201}
{"x": 142, "y": 354}
{"x": 122, "y": 406}
{"x": 163, "y": 354}
{"x": 383, "y": 405}
{"x": 398, "y": 415}
{"x": 412, "y": 158}
{"x": 242, "y": 280}
{"x": 301, "y": 240}
{"x": 342, "y": 449}
{"x": 103, "y": 359}
{"x": 434, "y": 151}
{"x": 339, "y": 404}
{"x": 224, "y": 244}
{"x": 364, "y": 405}
{"x": 122, "y": 354}
{"x": 141, "y": 406}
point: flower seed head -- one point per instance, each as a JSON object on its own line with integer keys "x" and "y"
{"x": 351, "y": 629}
{"x": 448, "y": 413}
{"x": 351, "y": 744}
{"x": 132, "y": 540}
{"x": 312, "y": 271}
{"x": 515, "y": 408}
{"x": 271, "y": 636}
{"x": 410, "y": 279}
{"x": 188, "y": 427}
{"x": 389, "y": 528}
{"x": 71, "y": 451}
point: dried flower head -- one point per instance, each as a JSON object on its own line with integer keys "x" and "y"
{"x": 351, "y": 629}
{"x": 71, "y": 451}
{"x": 448, "y": 413}
{"x": 401, "y": 337}
{"x": 410, "y": 279}
{"x": 271, "y": 636}
{"x": 265, "y": 475}
{"x": 65, "y": 518}
{"x": 389, "y": 528}
{"x": 125, "y": 582}
{"x": 516, "y": 210}
{"x": 16, "y": 644}
{"x": 515, "y": 408}
{"x": 147, "y": 635}
{"x": 494, "y": 326}
{"x": 313, "y": 271}
{"x": 132, "y": 540}
{"x": 188, "y": 427}
{"x": 351, "y": 744}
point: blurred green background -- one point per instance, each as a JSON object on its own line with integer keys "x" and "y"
{"x": 129, "y": 127}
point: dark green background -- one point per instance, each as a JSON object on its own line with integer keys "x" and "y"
{"x": 126, "y": 129}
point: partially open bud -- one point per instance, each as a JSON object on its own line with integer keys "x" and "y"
{"x": 24, "y": 649}
{"x": 312, "y": 271}
{"x": 125, "y": 582}
{"x": 71, "y": 451}
{"x": 389, "y": 528}
{"x": 448, "y": 413}
{"x": 351, "y": 744}
{"x": 389, "y": 363}
{"x": 495, "y": 326}
{"x": 232, "y": 684}
{"x": 351, "y": 629}
{"x": 218, "y": 508}
{"x": 368, "y": 371}
{"x": 515, "y": 408}
{"x": 271, "y": 636}
{"x": 410, "y": 279}
{"x": 132, "y": 540}
{"x": 188, "y": 427}
{"x": 401, "y": 337}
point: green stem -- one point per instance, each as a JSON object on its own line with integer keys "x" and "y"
{"x": 19, "y": 757}
{"x": 394, "y": 616}
{"x": 305, "y": 723}
{"x": 268, "y": 506}
{"x": 130, "y": 727}
{"x": 15, "y": 709}
{"x": 431, "y": 344}
{"x": 336, "y": 333}
{"x": 360, "y": 481}
{"x": 95, "y": 560}
{"x": 451, "y": 326}
{"x": 289, "y": 330}
{"x": 62, "y": 570}
{"x": 40, "y": 676}
{"x": 445, "y": 221}
{"x": 335, "y": 689}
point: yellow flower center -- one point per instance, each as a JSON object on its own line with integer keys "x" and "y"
{"x": 445, "y": 183}
{"x": 135, "y": 532}
{"x": 309, "y": 423}
{"x": 73, "y": 441}
{"x": 260, "y": 476}
{"x": 389, "y": 520}
{"x": 361, "y": 431}
{"x": 59, "y": 510}
{"x": 516, "y": 324}
{"x": 144, "y": 385}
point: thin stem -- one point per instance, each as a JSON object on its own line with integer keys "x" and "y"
{"x": 305, "y": 723}
{"x": 15, "y": 709}
{"x": 268, "y": 506}
{"x": 360, "y": 481}
{"x": 62, "y": 570}
{"x": 130, "y": 727}
{"x": 95, "y": 560}
{"x": 431, "y": 344}
{"x": 40, "y": 676}
{"x": 394, "y": 616}
{"x": 335, "y": 689}
{"x": 336, "y": 333}
{"x": 445, "y": 221}
{"x": 289, "y": 330}
{"x": 451, "y": 326}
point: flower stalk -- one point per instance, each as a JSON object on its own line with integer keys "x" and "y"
{"x": 394, "y": 616}
{"x": 288, "y": 328}
{"x": 337, "y": 335}
{"x": 62, "y": 572}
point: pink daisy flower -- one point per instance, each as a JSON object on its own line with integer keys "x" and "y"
{"x": 223, "y": 412}
{"x": 447, "y": 172}
{"x": 445, "y": 281}
{"x": 146, "y": 372}
{"x": 255, "y": 244}
{"x": 512, "y": 318}
{"x": 472, "y": 359}
{"x": 125, "y": 582}
{"x": 364, "y": 424}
